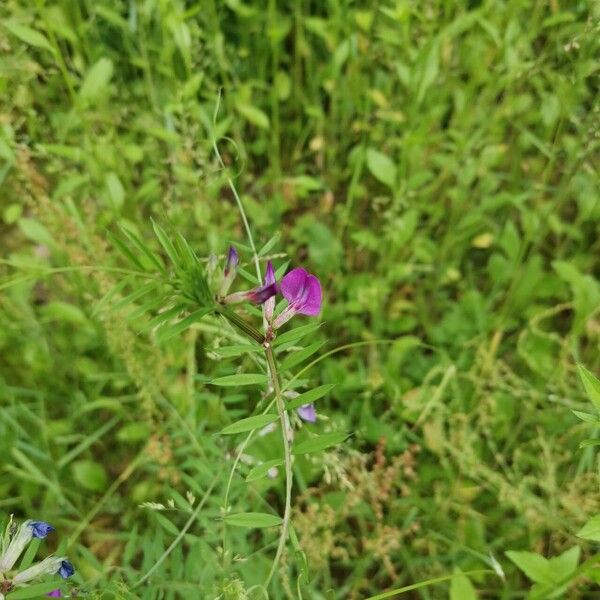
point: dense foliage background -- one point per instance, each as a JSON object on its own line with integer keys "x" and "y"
{"x": 435, "y": 163}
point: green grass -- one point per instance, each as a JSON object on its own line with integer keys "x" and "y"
{"x": 434, "y": 163}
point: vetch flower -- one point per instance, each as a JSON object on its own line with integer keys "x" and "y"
{"x": 230, "y": 270}
{"x": 40, "y": 529}
{"x": 55, "y": 594}
{"x": 303, "y": 293}
{"x": 17, "y": 545}
{"x": 66, "y": 569}
{"x": 48, "y": 566}
{"x": 307, "y": 413}
{"x": 269, "y": 305}
{"x": 257, "y": 295}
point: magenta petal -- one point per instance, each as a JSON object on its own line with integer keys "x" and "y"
{"x": 54, "y": 594}
{"x": 270, "y": 274}
{"x": 308, "y": 413}
{"x": 292, "y": 284}
{"x": 261, "y": 294}
{"x": 311, "y": 305}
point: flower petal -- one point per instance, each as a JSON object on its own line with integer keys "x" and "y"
{"x": 270, "y": 274}
{"x": 292, "y": 284}
{"x": 308, "y": 413}
{"x": 313, "y": 297}
{"x": 40, "y": 529}
{"x": 66, "y": 569}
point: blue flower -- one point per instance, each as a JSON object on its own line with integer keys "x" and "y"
{"x": 66, "y": 569}
{"x": 40, "y": 529}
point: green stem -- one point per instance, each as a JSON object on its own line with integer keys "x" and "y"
{"x": 287, "y": 459}
{"x": 240, "y": 323}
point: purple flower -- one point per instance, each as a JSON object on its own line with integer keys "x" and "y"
{"x": 269, "y": 305}
{"x": 230, "y": 270}
{"x": 66, "y": 569}
{"x": 308, "y": 413}
{"x": 40, "y": 529}
{"x": 257, "y": 296}
{"x": 303, "y": 293}
{"x": 55, "y": 594}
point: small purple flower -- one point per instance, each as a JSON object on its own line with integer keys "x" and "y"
{"x": 230, "y": 270}
{"x": 303, "y": 293}
{"x": 66, "y": 569}
{"x": 257, "y": 296}
{"x": 269, "y": 305}
{"x": 233, "y": 260}
{"x": 308, "y": 413}
{"x": 55, "y": 594}
{"x": 40, "y": 529}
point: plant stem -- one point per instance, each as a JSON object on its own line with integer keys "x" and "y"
{"x": 287, "y": 459}
{"x": 240, "y": 323}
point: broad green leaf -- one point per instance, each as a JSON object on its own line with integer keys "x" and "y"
{"x": 381, "y": 167}
{"x": 241, "y": 379}
{"x": 535, "y": 566}
{"x": 115, "y": 189}
{"x": 253, "y": 115}
{"x": 566, "y": 563}
{"x": 320, "y": 442}
{"x": 35, "y": 231}
{"x": 261, "y": 470}
{"x": 253, "y": 520}
{"x": 310, "y": 396}
{"x": 249, "y": 424}
{"x": 461, "y": 587}
{"x": 300, "y": 356}
{"x": 96, "y": 79}
{"x": 90, "y": 475}
{"x": 591, "y": 530}
{"x": 591, "y": 385}
{"x": 29, "y": 36}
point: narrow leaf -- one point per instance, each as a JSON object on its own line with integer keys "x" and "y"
{"x": 29, "y": 36}
{"x": 319, "y": 443}
{"x": 591, "y": 385}
{"x": 38, "y": 590}
{"x": 310, "y": 396}
{"x": 253, "y": 520}
{"x": 236, "y": 350}
{"x": 143, "y": 248}
{"x": 296, "y": 334}
{"x": 261, "y": 470}
{"x": 249, "y": 424}
{"x": 241, "y": 379}
{"x": 300, "y": 356}
{"x": 166, "y": 243}
{"x": 166, "y": 332}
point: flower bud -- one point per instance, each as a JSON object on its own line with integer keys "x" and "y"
{"x": 16, "y": 547}
{"x": 48, "y": 566}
